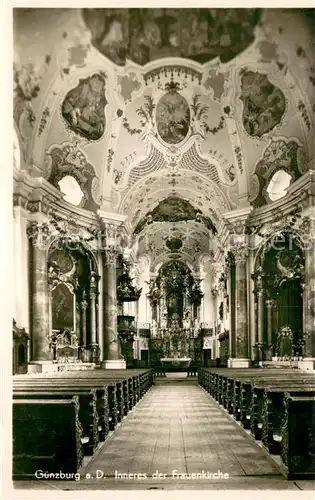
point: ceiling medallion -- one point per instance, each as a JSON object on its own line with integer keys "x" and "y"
{"x": 172, "y": 115}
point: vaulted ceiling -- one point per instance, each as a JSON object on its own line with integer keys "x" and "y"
{"x": 143, "y": 105}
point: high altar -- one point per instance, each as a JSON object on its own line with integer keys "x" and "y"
{"x": 175, "y": 298}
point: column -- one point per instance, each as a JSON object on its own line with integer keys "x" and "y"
{"x": 93, "y": 318}
{"x": 99, "y": 307}
{"x": 39, "y": 293}
{"x": 252, "y": 303}
{"x": 94, "y": 345}
{"x": 84, "y": 305}
{"x": 269, "y": 304}
{"x": 260, "y": 316}
{"x": 241, "y": 359}
{"x": 112, "y": 358}
{"x": 93, "y": 295}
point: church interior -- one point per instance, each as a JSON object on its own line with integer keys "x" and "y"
{"x": 164, "y": 258}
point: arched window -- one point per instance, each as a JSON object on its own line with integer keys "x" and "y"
{"x": 278, "y": 185}
{"x": 71, "y": 189}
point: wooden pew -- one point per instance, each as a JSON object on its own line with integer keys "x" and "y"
{"x": 124, "y": 388}
{"x": 88, "y": 415}
{"x": 130, "y": 387}
{"x": 257, "y": 399}
{"x": 109, "y": 400}
{"x": 47, "y": 435}
{"x": 298, "y": 436}
{"x": 273, "y": 413}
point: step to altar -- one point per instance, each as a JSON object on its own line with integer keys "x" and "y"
{"x": 279, "y": 364}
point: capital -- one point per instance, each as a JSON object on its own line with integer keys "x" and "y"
{"x": 39, "y": 234}
{"x": 240, "y": 253}
{"x": 112, "y": 228}
{"x": 84, "y": 305}
{"x": 94, "y": 279}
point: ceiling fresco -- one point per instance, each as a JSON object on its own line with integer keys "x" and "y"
{"x": 144, "y": 35}
{"x": 174, "y": 209}
{"x": 172, "y": 117}
{"x": 264, "y": 104}
{"x": 83, "y": 107}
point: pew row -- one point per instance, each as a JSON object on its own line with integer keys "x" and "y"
{"x": 258, "y": 398}
{"x": 102, "y": 401}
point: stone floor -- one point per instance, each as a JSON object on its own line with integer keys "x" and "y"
{"x": 177, "y": 429}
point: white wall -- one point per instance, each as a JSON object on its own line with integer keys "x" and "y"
{"x": 21, "y": 269}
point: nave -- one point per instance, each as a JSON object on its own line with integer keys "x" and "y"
{"x": 177, "y": 428}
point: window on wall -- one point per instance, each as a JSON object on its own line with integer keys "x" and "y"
{"x": 71, "y": 189}
{"x": 278, "y": 185}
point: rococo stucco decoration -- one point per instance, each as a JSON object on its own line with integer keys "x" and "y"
{"x": 83, "y": 108}
{"x": 264, "y": 104}
{"x": 68, "y": 160}
{"x": 144, "y": 35}
{"x": 279, "y": 155}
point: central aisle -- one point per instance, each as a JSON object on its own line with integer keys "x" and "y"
{"x": 178, "y": 428}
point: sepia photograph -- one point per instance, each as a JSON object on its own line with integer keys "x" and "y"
{"x": 163, "y": 324}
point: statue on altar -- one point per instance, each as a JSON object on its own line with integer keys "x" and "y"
{"x": 186, "y": 322}
{"x": 164, "y": 321}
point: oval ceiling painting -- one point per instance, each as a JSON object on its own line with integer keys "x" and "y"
{"x": 172, "y": 118}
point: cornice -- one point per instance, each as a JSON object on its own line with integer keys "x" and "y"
{"x": 111, "y": 218}
{"x": 83, "y": 217}
{"x": 238, "y": 215}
